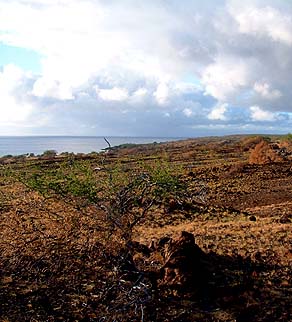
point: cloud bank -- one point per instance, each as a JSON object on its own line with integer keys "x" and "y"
{"x": 147, "y": 67}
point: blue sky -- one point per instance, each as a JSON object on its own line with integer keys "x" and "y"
{"x": 22, "y": 57}
{"x": 149, "y": 68}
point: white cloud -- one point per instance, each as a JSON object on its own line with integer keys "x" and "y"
{"x": 225, "y": 77}
{"x": 12, "y": 110}
{"x": 11, "y": 76}
{"x": 44, "y": 87}
{"x": 258, "y": 114}
{"x": 162, "y": 93}
{"x": 218, "y": 112}
{"x": 80, "y": 39}
{"x": 112, "y": 64}
{"x": 113, "y": 94}
{"x": 263, "y": 21}
{"x": 139, "y": 96}
{"x": 187, "y": 112}
{"x": 140, "y": 92}
{"x": 264, "y": 89}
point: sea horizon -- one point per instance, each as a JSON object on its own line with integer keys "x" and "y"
{"x": 37, "y": 144}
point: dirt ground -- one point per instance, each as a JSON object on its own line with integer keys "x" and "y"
{"x": 56, "y": 263}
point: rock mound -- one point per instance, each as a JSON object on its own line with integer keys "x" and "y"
{"x": 185, "y": 266}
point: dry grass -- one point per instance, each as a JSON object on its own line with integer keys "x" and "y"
{"x": 62, "y": 259}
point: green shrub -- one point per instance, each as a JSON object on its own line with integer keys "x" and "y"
{"x": 49, "y": 153}
{"x": 125, "y": 196}
{"x": 288, "y": 137}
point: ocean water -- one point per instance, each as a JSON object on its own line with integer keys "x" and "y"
{"x": 17, "y": 145}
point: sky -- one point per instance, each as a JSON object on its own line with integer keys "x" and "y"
{"x": 177, "y": 68}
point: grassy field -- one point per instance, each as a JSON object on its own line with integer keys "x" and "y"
{"x": 80, "y": 235}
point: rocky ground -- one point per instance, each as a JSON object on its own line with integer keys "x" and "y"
{"x": 216, "y": 248}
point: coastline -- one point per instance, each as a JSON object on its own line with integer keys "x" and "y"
{"x": 37, "y": 145}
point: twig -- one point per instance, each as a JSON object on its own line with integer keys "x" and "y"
{"x": 142, "y": 313}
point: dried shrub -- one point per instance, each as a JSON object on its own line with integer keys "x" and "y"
{"x": 264, "y": 153}
{"x": 287, "y": 145}
{"x": 250, "y": 142}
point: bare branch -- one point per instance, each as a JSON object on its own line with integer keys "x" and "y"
{"x": 109, "y": 145}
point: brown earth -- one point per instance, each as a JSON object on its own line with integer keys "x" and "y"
{"x": 60, "y": 260}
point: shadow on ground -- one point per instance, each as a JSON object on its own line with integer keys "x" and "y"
{"x": 172, "y": 281}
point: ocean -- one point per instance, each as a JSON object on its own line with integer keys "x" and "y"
{"x": 18, "y": 145}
